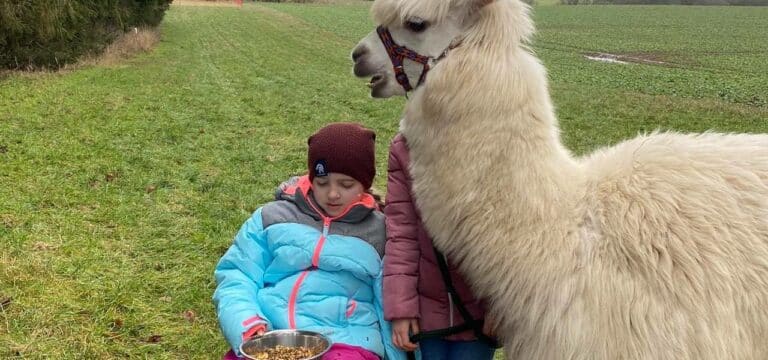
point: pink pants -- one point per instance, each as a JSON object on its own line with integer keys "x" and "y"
{"x": 336, "y": 352}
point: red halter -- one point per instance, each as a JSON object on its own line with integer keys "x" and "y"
{"x": 397, "y": 53}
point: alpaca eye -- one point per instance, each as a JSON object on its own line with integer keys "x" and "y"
{"x": 416, "y": 25}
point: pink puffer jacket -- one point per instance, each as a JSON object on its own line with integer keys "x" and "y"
{"x": 413, "y": 285}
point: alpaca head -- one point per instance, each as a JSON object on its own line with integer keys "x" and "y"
{"x": 426, "y": 27}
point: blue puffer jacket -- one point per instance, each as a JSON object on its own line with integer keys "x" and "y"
{"x": 291, "y": 267}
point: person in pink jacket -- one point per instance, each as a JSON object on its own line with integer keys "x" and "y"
{"x": 416, "y": 299}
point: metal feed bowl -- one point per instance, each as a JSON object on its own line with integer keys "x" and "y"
{"x": 288, "y": 338}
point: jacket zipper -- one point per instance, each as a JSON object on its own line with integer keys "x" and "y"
{"x": 450, "y": 302}
{"x": 293, "y": 299}
{"x": 321, "y": 242}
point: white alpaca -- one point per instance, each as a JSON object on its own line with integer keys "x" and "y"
{"x": 656, "y": 248}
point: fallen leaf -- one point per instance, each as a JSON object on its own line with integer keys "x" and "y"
{"x": 42, "y": 246}
{"x": 154, "y": 339}
{"x": 190, "y": 316}
{"x": 116, "y": 325}
{"x": 151, "y": 188}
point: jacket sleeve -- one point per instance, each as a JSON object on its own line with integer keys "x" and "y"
{"x": 401, "y": 265}
{"x": 239, "y": 277}
{"x": 392, "y": 353}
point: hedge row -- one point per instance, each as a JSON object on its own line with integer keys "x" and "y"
{"x": 49, "y": 34}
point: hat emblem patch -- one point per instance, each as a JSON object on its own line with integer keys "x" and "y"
{"x": 321, "y": 169}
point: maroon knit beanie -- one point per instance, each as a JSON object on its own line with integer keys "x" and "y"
{"x": 344, "y": 148}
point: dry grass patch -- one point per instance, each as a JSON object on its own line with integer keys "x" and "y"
{"x": 131, "y": 43}
{"x": 140, "y": 40}
{"x": 225, "y": 3}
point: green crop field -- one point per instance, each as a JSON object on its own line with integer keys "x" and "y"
{"x": 121, "y": 186}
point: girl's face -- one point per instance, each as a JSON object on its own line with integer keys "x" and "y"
{"x": 335, "y": 192}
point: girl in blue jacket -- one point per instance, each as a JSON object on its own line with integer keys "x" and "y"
{"x": 312, "y": 259}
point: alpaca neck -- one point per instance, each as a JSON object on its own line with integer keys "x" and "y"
{"x": 485, "y": 111}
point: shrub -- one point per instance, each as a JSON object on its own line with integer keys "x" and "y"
{"x": 50, "y": 34}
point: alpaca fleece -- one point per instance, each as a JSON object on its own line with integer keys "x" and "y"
{"x": 656, "y": 248}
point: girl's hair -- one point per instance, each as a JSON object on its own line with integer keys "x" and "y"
{"x": 379, "y": 200}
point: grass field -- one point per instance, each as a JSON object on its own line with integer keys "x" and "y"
{"x": 121, "y": 186}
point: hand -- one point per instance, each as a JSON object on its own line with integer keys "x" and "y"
{"x": 401, "y": 330}
{"x": 257, "y": 330}
{"x": 489, "y": 327}
{"x": 260, "y": 331}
